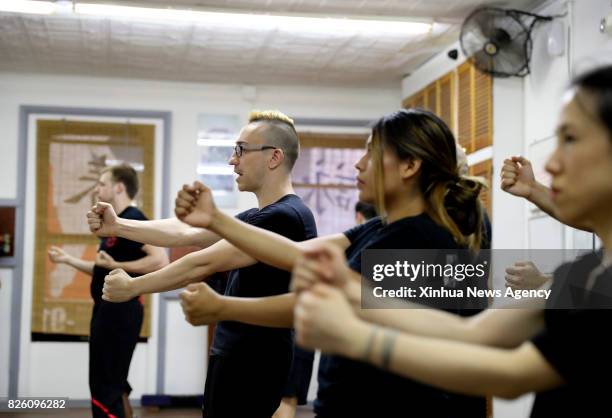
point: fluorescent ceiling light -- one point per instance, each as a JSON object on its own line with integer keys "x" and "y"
{"x": 258, "y": 21}
{"x": 24, "y": 6}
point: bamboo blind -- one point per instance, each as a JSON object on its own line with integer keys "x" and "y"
{"x": 68, "y": 311}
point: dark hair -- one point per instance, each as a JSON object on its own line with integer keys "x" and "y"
{"x": 124, "y": 173}
{"x": 368, "y": 211}
{"x": 598, "y": 82}
{"x": 451, "y": 198}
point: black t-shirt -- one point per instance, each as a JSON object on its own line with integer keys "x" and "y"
{"x": 120, "y": 249}
{"x": 288, "y": 217}
{"x": 576, "y": 342}
{"x": 352, "y": 388}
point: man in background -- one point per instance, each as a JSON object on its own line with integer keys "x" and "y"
{"x": 114, "y": 328}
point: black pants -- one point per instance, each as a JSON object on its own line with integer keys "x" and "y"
{"x": 246, "y": 384}
{"x": 113, "y": 336}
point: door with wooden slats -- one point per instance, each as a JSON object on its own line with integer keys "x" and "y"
{"x": 446, "y": 100}
{"x": 419, "y": 100}
{"x": 431, "y": 97}
{"x": 465, "y": 107}
{"x": 412, "y": 101}
{"x": 407, "y": 103}
{"x": 483, "y": 110}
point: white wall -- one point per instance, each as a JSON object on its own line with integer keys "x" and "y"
{"x": 184, "y": 100}
{"x": 590, "y": 46}
{"x": 39, "y": 361}
{"x": 184, "y": 343}
{"x": 586, "y": 48}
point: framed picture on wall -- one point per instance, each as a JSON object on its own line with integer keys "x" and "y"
{"x": 70, "y": 156}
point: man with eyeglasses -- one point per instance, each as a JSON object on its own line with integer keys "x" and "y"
{"x": 249, "y": 364}
{"x": 240, "y": 149}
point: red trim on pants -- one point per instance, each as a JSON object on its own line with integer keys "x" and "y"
{"x": 102, "y": 407}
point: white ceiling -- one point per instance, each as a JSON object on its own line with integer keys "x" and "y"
{"x": 205, "y": 53}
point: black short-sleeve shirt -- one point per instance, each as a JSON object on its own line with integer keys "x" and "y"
{"x": 288, "y": 217}
{"x": 120, "y": 249}
{"x": 577, "y": 343}
{"x": 352, "y": 388}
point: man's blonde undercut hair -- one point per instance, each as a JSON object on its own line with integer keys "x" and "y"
{"x": 270, "y": 115}
{"x": 279, "y": 132}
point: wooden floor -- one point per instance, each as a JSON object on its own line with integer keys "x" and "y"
{"x": 303, "y": 412}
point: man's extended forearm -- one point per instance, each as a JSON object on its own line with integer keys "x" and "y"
{"x": 541, "y": 197}
{"x": 82, "y": 265}
{"x": 265, "y": 246}
{"x": 175, "y": 275}
{"x": 169, "y": 232}
{"x": 270, "y": 311}
{"x": 144, "y": 265}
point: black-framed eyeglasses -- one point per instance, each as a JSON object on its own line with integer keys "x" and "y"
{"x": 239, "y": 149}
